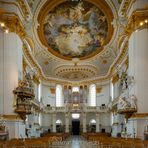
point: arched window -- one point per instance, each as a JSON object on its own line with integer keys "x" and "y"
{"x": 92, "y": 121}
{"x": 92, "y": 95}
{"x": 75, "y": 89}
{"x": 75, "y": 116}
{"x": 59, "y": 122}
{"x": 59, "y": 96}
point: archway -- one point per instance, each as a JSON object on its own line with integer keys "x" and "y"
{"x": 59, "y": 126}
{"x": 75, "y": 124}
{"x": 92, "y": 125}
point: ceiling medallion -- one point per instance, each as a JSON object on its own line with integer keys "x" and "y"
{"x": 75, "y": 29}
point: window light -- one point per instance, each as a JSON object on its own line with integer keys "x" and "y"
{"x": 75, "y": 116}
{"x": 75, "y": 89}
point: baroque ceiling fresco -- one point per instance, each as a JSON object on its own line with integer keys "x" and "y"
{"x": 75, "y": 29}
{"x": 75, "y": 41}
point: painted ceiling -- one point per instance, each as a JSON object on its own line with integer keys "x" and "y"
{"x": 75, "y": 41}
{"x": 75, "y": 29}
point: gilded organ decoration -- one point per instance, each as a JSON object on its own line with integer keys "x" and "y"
{"x": 75, "y": 29}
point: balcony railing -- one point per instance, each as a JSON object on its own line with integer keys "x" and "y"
{"x": 76, "y": 109}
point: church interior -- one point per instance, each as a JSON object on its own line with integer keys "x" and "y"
{"x": 73, "y": 73}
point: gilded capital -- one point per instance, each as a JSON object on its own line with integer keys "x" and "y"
{"x": 137, "y": 21}
{"x": 13, "y": 24}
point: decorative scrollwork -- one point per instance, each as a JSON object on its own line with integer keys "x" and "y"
{"x": 24, "y": 94}
{"x": 127, "y": 106}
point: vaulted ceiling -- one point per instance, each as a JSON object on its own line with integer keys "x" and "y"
{"x": 75, "y": 40}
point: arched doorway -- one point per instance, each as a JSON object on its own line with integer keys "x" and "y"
{"x": 92, "y": 125}
{"x": 75, "y": 123}
{"x": 59, "y": 126}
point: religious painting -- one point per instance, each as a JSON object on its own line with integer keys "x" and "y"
{"x": 75, "y": 29}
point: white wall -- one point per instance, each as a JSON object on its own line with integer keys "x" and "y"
{"x": 104, "y": 95}
{"x": 46, "y": 120}
{"x": 90, "y": 116}
{"x": 47, "y": 96}
{"x": 16, "y": 129}
{"x": 136, "y": 126}
{"x": 105, "y": 121}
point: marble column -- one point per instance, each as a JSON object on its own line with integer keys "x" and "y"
{"x": 97, "y": 122}
{"x": 10, "y": 73}
{"x": 67, "y": 123}
{"x": 138, "y": 53}
{"x": 54, "y": 122}
{"x": 138, "y": 68}
{"x": 84, "y": 122}
{"x": 10, "y": 69}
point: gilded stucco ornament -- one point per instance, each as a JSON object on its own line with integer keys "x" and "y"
{"x": 13, "y": 24}
{"x": 127, "y": 106}
{"x": 24, "y": 93}
{"x": 137, "y": 21}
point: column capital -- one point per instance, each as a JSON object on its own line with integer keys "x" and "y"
{"x": 13, "y": 23}
{"x": 137, "y": 21}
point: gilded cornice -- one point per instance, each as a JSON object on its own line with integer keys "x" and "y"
{"x": 36, "y": 80}
{"x": 52, "y": 90}
{"x": 139, "y": 115}
{"x": 127, "y": 63}
{"x": 41, "y": 75}
{"x": 13, "y": 23}
{"x": 115, "y": 78}
{"x": 137, "y": 21}
{"x": 98, "y": 89}
{"x": 30, "y": 59}
{"x": 22, "y": 5}
{"x": 24, "y": 64}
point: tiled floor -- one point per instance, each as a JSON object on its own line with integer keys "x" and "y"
{"x": 75, "y": 142}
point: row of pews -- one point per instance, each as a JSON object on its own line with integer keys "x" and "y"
{"x": 104, "y": 140}
{"x": 42, "y": 142}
